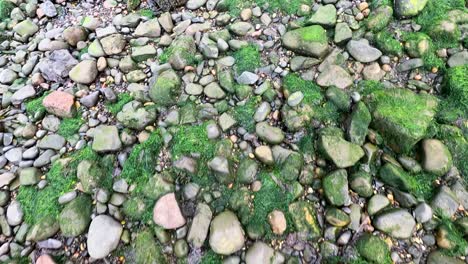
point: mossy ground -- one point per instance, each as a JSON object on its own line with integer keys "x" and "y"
{"x": 385, "y": 41}
{"x": 122, "y": 99}
{"x": 243, "y": 114}
{"x": 247, "y": 59}
{"x": 35, "y": 105}
{"x": 70, "y": 126}
{"x": 285, "y": 6}
{"x": 210, "y": 257}
{"x": 167, "y": 53}
{"x": 61, "y": 178}
{"x": 454, "y": 104}
{"x": 311, "y": 91}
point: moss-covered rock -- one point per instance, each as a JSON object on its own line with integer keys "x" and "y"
{"x": 379, "y": 18}
{"x": 292, "y": 166}
{"x": 337, "y": 217}
{"x": 335, "y": 187}
{"x": 343, "y": 153}
{"x": 400, "y": 116}
{"x": 408, "y": 8}
{"x": 247, "y": 171}
{"x": 76, "y": 216}
{"x": 437, "y": 159}
{"x": 397, "y": 223}
{"x": 417, "y": 44}
{"x": 395, "y": 176}
{"x": 43, "y": 229}
{"x": 165, "y": 88}
{"x": 147, "y": 250}
{"x": 358, "y": 124}
{"x": 134, "y": 208}
{"x": 90, "y": 175}
{"x": 158, "y": 185}
{"x": 309, "y": 41}
{"x": 373, "y": 249}
{"x": 182, "y": 52}
{"x": 305, "y": 221}
{"x": 361, "y": 183}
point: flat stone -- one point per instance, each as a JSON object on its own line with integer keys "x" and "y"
{"x": 167, "y": 214}
{"x": 106, "y": 138}
{"x": 103, "y": 236}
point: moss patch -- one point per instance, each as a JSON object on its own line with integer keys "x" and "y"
{"x": 385, "y": 41}
{"x": 455, "y": 235}
{"x": 455, "y": 90}
{"x": 210, "y": 257}
{"x": 243, "y": 114}
{"x": 311, "y": 91}
{"x": 70, "y": 126}
{"x": 146, "y": 12}
{"x": 35, "y": 105}
{"x": 122, "y": 99}
{"x": 5, "y": 9}
{"x": 247, "y": 59}
{"x": 374, "y": 249}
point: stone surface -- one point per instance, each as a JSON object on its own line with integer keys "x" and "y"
{"x": 166, "y": 212}
{"x": 59, "y": 103}
{"x": 226, "y": 234}
{"x": 103, "y": 236}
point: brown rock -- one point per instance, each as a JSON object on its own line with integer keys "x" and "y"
{"x": 59, "y": 103}
{"x": 167, "y": 213}
{"x": 73, "y": 35}
{"x": 277, "y": 222}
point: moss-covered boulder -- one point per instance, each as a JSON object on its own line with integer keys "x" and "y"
{"x": 134, "y": 208}
{"x": 147, "y": 249}
{"x": 304, "y": 219}
{"x": 292, "y": 166}
{"x": 417, "y": 44}
{"x": 165, "y": 88}
{"x": 396, "y": 177}
{"x": 343, "y": 153}
{"x": 373, "y": 249}
{"x": 90, "y": 175}
{"x": 358, "y": 124}
{"x": 379, "y": 18}
{"x": 43, "y": 229}
{"x": 337, "y": 217}
{"x": 158, "y": 185}
{"x": 361, "y": 183}
{"x": 335, "y": 187}
{"x": 76, "y": 216}
{"x": 136, "y": 116}
{"x": 457, "y": 144}
{"x": 408, "y": 8}
{"x": 308, "y": 41}
{"x": 182, "y": 52}
{"x": 247, "y": 171}
{"x": 401, "y": 116}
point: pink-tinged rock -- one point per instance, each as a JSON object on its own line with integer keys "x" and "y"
{"x": 45, "y": 259}
{"x": 60, "y": 104}
{"x": 167, "y": 213}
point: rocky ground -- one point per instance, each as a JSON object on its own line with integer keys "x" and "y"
{"x": 227, "y": 131}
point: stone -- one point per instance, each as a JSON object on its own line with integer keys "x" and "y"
{"x": 150, "y": 29}
{"x": 337, "y": 217}
{"x": 106, "y": 139}
{"x": 226, "y": 122}
{"x": 377, "y": 203}
{"x": 334, "y": 76}
{"x": 445, "y": 202}
{"x": 26, "y": 28}
{"x": 260, "y": 253}
{"x": 359, "y": 123}
{"x": 76, "y": 216}
{"x": 269, "y": 134}
{"x": 135, "y": 116}
{"x": 247, "y": 171}
{"x": 45, "y": 228}
{"x": 379, "y": 18}
{"x": 84, "y": 72}
{"x": 241, "y": 28}
{"x": 113, "y": 44}
{"x": 335, "y": 187}
{"x": 22, "y": 94}
{"x": 409, "y": 8}
{"x": 308, "y": 41}
{"x": 29, "y": 176}
{"x": 247, "y": 78}
{"x": 436, "y": 157}
{"x": 103, "y": 236}
{"x": 200, "y": 225}
{"x": 423, "y": 213}
{"x": 373, "y": 248}
{"x": 14, "y": 213}
{"x": 142, "y": 53}
{"x": 165, "y": 88}
{"x": 304, "y": 218}
{"x": 397, "y": 223}
{"x": 458, "y": 59}
{"x": 147, "y": 249}
{"x": 361, "y": 183}
{"x": 373, "y": 72}
{"x": 8, "y": 76}
{"x": 57, "y": 65}
{"x": 362, "y": 51}
{"x": 214, "y": 91}
{"x": 183, "y": 50}
{"x": 226, "y": 234}
{"x": 60, "y": 103}
{"x": 45, "y": 259}
{"x": 167, "y": 214}
{"x": 409, "y": 65}
{"x": 324, "y": 16}
{"x": 277, "y": 221}
{"x": 438, "y": 257}
{"x": 264, "y": 154}
{"x": 342, "y": 33}
{"x": 54, "y": 141}
{"x": 6, "y": 178}
{"x": 343, "y": 153}
{"x": 73, "y": 35}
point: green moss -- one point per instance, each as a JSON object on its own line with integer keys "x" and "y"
{"x": 376, "y": 3}
{"x": 146, "y": 12}
{"x": 5, "y": 9}
{"x": 313, "y": 34}
{"x": 147, "y": 249}
{"x": 456, "y": 88}
{"x": 454, "y": 139}
{"x": 122, "y": 99}
{"x": 70, "y": 126}
{"x": 311, "y": 91}
{"x": 194, "y": 139}
{"x": 210, "y": 257}
{"x": 141, "y": 162}
{"x": 19, "y": 260}
{"x": 167, "y": 53}
{"x": 34, "y": 106}
{"x": 459, "y": 244}
{"x": 385, "y": 41}
{"x": 374, "y": 249}
{"x": 247, "y": 59}
{"x": 243, "y": 114}
{"x": 286, "y": 6}
{"x": 84, "y": 51}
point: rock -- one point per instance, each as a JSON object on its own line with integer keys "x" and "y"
{"x": 358, "y": 124}
{"x": 335, "y": 187}
{"x": 46, "y": 227}
{"x": 166, "y": 88}
{"x": 343, "y": 153}
{"x": 75, "y": 216}
{"x": 241, "y": 28}
{"x": 247, "y": 78}
{"x": 410, "y": 65}
{"x": 106, "y": 138}
{"x": 73, "y": 35}
{"x": 135, "y": 116}
{"x": 458, "y": 59}
{"x": 260, "y": 253}
{"x": 246, "y": 172}
{"x": 143, "y": 53}
{"x": 150, "y": 29}
{"x": 183, "y": 50}
{"x": 6, "y": 178}
{"x": 14, "y": 155}
{"x": 337, "y": 217}
{"x": 22, "y": 94}
{"x": 14, "y": 213}
{"x": 379, "y": 18}
{"x": 401, "y": 134}
{"x": 362, "y": 51}
{"x": 436, "y": 157}
{"x": 29, "y": 176}
{"x": 342, "y": 33}
{"x": 308, "y": 41}
{"x": 269, "y": 134}
{"x": 373, "y": 248}
{"x": 147, "y": 249}
{"x": 26, "y": 28}
{"x": 226, "y": 122}
{"x": 213, "y": 90}
{"x": 277, "y": 221}
{"x": 334, "y": 76}
{"x": 84, "y": 72}
{"x": 445, "y": 202}
{"x": 397, "y": 223}
{"x": 304, "y": 218}
{"x": 57, "y": 66}
{"x": 8, "y": 76}
{"x": 409, "y": 8}
{"x": 95, "y": 49}
{"x": 438, "y": 257}
{"x": 90, "y": 175}
{"x": 54, "y": 141}
{"x": 324, "y": 16}
{"x": 166, "y": 212}
{"x": 373, "y": 72}
{"x": 45, "y": 259}
{"x": 165, "y": 20}
{"x": 222, "y": 169}
{"x": 264, "y": 154}
{"x": 103, "y": 236}
{"x": 195, "y": 4}
{"x": 200, "y": 225}
{"x": 423, "y": 213}
{"x": 361, "y": 183}
{"x": 59, "y": 103}
{"x": 226, "y": 234}
{"x": 113, "y": 44}
{"x": 377, "y": 203}
{"x": 396, "y": 177}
